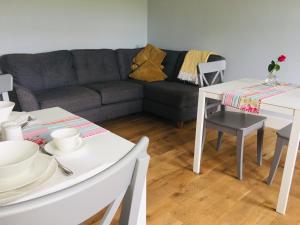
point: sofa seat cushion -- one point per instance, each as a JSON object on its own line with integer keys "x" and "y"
{"x": 117, "y": 91}
{"x": 96, "y": 65}
{"x": 174, "y": 94}
{"x": 40, "y": 71}
{"x": 73, "y": 99}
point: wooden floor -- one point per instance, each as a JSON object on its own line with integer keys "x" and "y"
{"x": 176, "y": 195}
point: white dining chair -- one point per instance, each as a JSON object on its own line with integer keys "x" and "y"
{"x": 6, "y": 85}
{"x": 208, "y": 74}
{"x": 122, "y": 181}
{"x": 235, "y": 123}
{"x": 215, "y": 69}
{"x": 283, "y": 138}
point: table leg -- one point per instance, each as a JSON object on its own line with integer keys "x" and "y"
{"x": 289, "y": 165}
{"x": 199, "y": 131}
{"x": 143, "y": 207}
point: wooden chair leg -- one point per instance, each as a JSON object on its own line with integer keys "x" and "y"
{"x": 240, "y": 154}
{"x": 260, "y": 140}
{"x": 219, "y": 142}
{"x": 276, "y": 160}
{"x": 179, "y": 124}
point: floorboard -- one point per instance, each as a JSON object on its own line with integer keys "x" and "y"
{"x": 177, "y": 196}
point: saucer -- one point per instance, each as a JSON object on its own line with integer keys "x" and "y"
{"x": 32, "y": 174}
{"x": 13, "y": 195}
{"x": 52, "y": 149}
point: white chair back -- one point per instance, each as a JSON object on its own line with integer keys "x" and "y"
{"x": 216, "y": 67}
{"x": 6, "y": 85}
{"x": 76, "y": 204}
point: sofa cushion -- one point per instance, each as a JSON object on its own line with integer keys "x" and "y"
{"x": 117, "y": 91}
{"x": 148, "y": 72}
{"x": 40, "y": 71}
{"x": 125, "y": 57}
{"x": 170, "y": 63}
{"x": 96, "y": 65}
{"x": 177, "y": 68}
{"x": 174, "y": 94}
{"x": 146, "y": 65}
{"x": 73, "y": 99}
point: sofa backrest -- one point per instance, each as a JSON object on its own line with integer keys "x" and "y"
{"x": 64, "y": 68}
{"x": 172, "y": 63}
{"x": 40, "y": 71}
{"x": 125, "y": 57}
{"x": 95, "y": 65}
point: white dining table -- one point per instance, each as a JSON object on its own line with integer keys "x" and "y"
{"x": 97, "y": 153}
{"x": 279, "y": 110}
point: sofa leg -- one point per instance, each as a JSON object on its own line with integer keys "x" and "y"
{"x": 179, "y": 124}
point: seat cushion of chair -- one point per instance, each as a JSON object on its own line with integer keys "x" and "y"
{"x": 73, "y": 99}
{"x": 235, "y": 120}
{"x": 174, "y": 94}
{"x": 285, "y": 132}
{"x": 117, "y": 91}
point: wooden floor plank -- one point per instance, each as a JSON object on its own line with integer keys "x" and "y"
{"x": 177, "y": 196}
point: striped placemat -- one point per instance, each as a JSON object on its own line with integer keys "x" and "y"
{"x": 41, "y": 132}
{"x": 249, "y": 98}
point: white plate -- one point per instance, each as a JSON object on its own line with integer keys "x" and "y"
{"x": 13, "y": 195}
{"x": 52, "y": 149}
{"x": 36, "y": 170}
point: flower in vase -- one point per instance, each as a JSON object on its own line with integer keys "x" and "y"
{"x": 281, "y": 58}
{"x": 274, "y": 66}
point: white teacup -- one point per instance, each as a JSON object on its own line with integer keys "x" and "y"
{"x": 66, "y": 139}
{"x": 11, "y": 131}
{"x": 6, "y": 108}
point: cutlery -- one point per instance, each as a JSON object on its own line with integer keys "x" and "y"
{"x": 29, "y": 119}
{"x": 63, "y": 168}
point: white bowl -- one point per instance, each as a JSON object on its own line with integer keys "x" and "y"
{"x": 66, "y": 139}
{"x": 16, "y": 157}
{"x": 6, "y": 108}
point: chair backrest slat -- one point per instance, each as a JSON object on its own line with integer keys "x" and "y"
{"x": 79, "y": 202}
{"x": 6, "y": 85}
{"x": 216, "y": 67}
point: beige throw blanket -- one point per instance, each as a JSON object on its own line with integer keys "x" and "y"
{"x": 189, "y": 71}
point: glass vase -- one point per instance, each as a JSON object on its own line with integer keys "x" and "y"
{"x": 271, "y": 80}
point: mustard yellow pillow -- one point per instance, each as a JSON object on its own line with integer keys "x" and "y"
{"x": 148, "y": 72}
{"x": 150, "y": 52}
{"x": 146, "y": 65}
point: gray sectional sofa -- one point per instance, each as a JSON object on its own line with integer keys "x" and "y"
{"x": 94, "y": 84}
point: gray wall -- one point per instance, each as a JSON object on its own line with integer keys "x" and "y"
{"x": 42, "y": 25}
{"x": 248, "y": 33}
